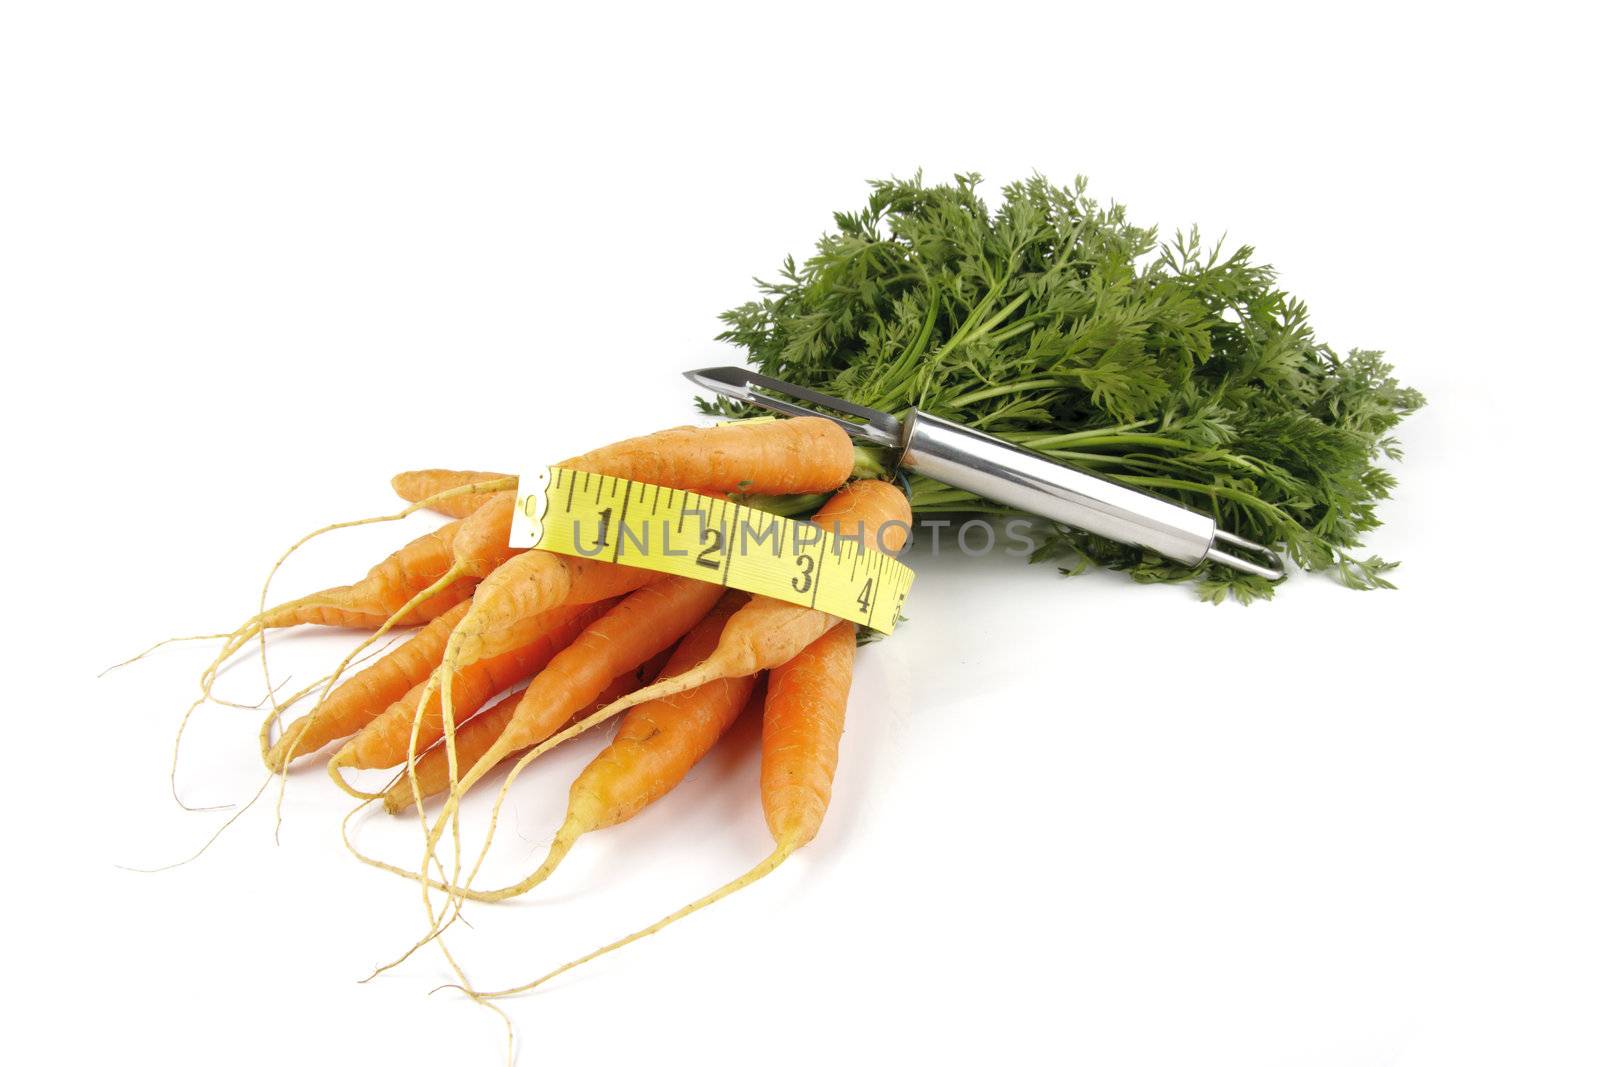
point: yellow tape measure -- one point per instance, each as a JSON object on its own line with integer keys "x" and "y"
{"x": 641, "y": 525}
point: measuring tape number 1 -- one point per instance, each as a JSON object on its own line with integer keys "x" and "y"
{"x": 596, "y": 516}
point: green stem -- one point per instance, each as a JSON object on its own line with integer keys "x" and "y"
{"x": 1235, "y": 495}
{"x": 971, "y": 324}
{"x": 1141, "y": 439}
{"x": 1045, "y": 438}
{"x": 997, "y": 390}
{"x": 907, "y": 360}
{"x": 1016, "y": 329}
{"x": 1001, "y": 315}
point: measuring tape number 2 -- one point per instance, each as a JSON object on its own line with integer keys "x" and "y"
{"x": 637, "y": 524}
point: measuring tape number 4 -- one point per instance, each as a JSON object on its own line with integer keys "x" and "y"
{"x": 637, "y": 524}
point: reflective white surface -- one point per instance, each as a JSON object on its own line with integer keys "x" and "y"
{"x": 253, "y": 264}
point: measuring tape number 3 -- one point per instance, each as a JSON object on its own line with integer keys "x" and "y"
{"x": 692, "y": 536}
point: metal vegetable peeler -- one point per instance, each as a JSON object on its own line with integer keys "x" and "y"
{"x": 967, "y": 459}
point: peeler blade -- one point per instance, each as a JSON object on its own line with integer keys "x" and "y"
{"x": 763, "y": 391}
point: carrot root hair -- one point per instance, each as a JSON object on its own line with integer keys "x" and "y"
{"x": 336, "y": 765}
{"x": 256, "y": 625}
{"x": 162, "y": 644}
{"x": 753, "y": 875}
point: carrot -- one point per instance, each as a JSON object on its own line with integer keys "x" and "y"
{"x": 637, "y": 628}
{"x": 365, "y": 605}
{"x": 766, "y": 632}
{"x": 641, "y": 625}
{"x": 388, "y": 586}
{"x": 800, "y": 455}
{"x": 343, "y": 606}
{"x": 425, "y": 578}
{"x": 784, "y": 456}
{"x": 423, "y": 484}
{"x": 385, "y": 740}
{"x": 479, "y": 546}
{"x": 788, "y": 455}
{"x": 763, "y": 634}
{"x": 517, "y": 593}
{"x": 800, "y": 730}
{"x": 422, "y": 580}
{"x": 657, "y": 744}
{"x": 355, "y": 702}
{"x": 432, "y": 768}
{"x": 338, "y": 607}
{"x": 476, "y": 545}
{"x": 479, "y": 732}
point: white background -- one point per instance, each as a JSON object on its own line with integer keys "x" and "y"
{"x": 256, "y": 258}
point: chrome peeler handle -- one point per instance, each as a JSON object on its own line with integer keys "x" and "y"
{"x": 968, "y": 459}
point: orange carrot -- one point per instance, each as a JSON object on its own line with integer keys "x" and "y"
{"x": 518, "y": 592}
{"x": 404, "y": 589}
{"x": 767, "y": 632}
{"x": 386, "y": 739}
{"x": 783, "y": 456}
{"x": 641, "y": 625}
{"x": 479, "y": 546}
{"x": 386, "y": 588}
{"x": 397, "y": 583}
{"x": 425, "y": 569}
{"x": 637, "y": 628}
{"x": 801, "y": 455}
{"x": 420, "y": 485}
{"x": 655, "y": 747}
{"x": 421, "y": 581}
{"x": 355, "y": 702}
{"x": 800, "y": 731}
{"x": 763, "y": 634}
{"x": 479, "y": 732}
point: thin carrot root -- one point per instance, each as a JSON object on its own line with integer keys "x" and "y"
{"x": 755, "y": 874}
{"x": 657, "y": 745}
{"x": 477, "y": 546}
{"x": 333, "y": 608}
{"x": 435, "y": 580}
{"x": 162, "y": 644}
{"x": 634, "y": 632}
{"x": 235, "y": 817}
{"x": 257, "y": 624}
{"x": 364, "y": 696}
{"x": 240, "y": 705}
{"x": 636, "y": 629}
{"x": 801, "y": 728}
{"x": 430, "y": 775}
{"x": 795, "y": 455}
{"x": 428, "y": 484}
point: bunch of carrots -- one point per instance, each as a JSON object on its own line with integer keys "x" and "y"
{"x": 572, "y": 642}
